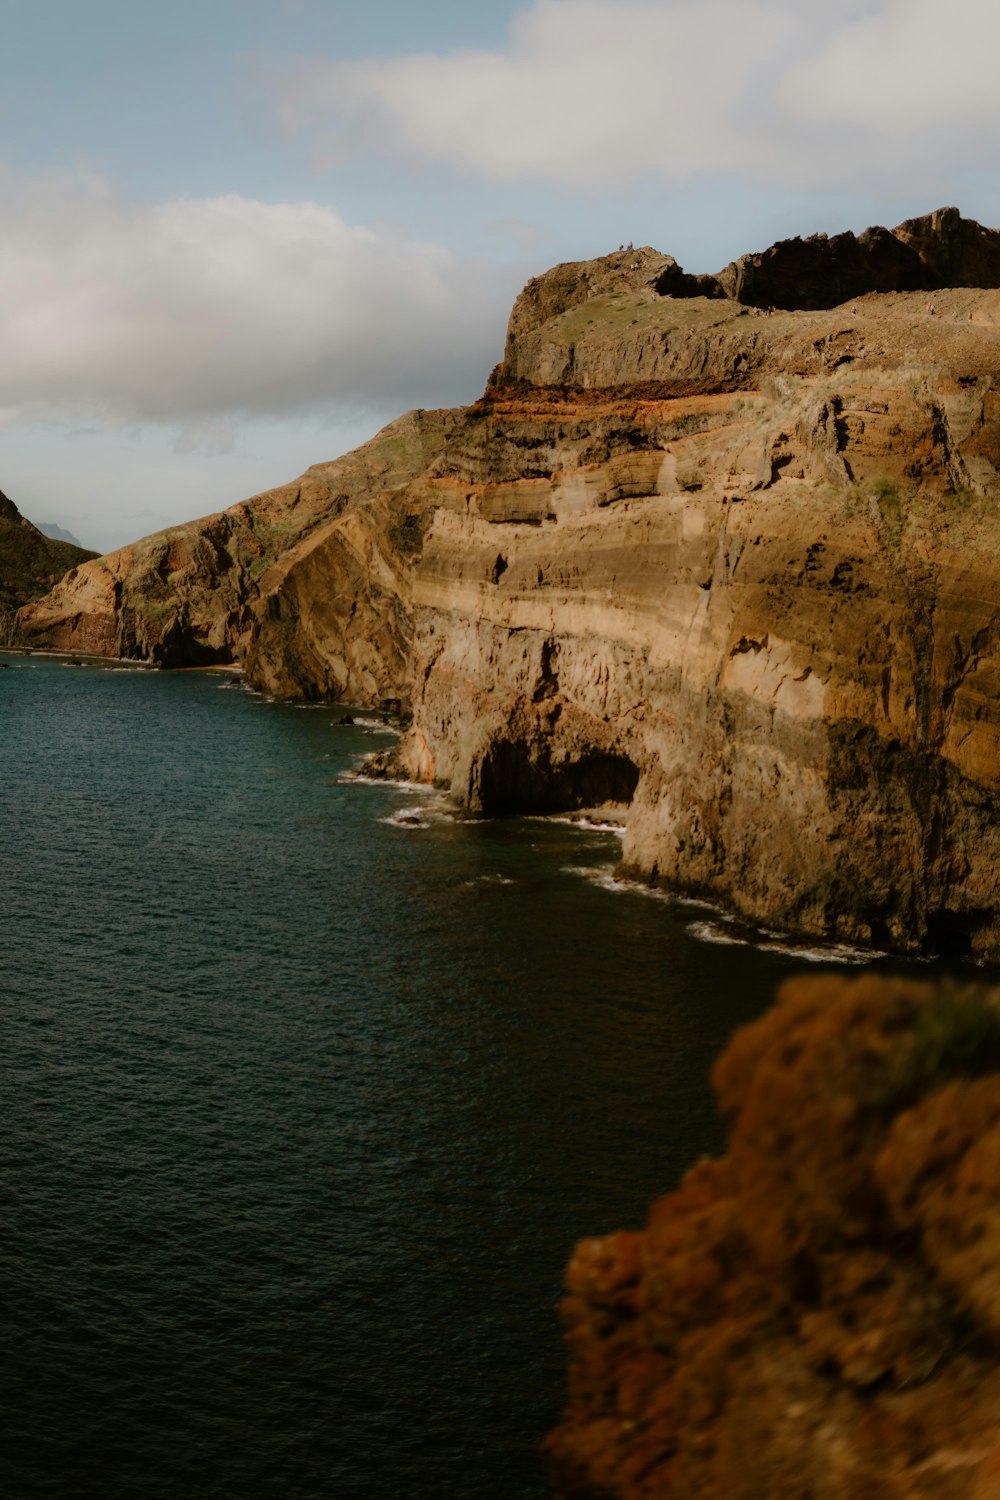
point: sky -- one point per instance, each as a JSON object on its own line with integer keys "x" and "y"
{"x": 239, "y": 236}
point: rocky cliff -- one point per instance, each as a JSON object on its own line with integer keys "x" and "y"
{"x": 817, "y": 1314}
{"x": 307, "y": 585}
{"x": 940, "y": 250}
{"x": 30, "y": 563}
{"x": 730, "y": 569}
{"x": 736, "y": 571}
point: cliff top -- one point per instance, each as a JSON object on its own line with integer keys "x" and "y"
{"x": 940, "y": 249}
{"x": 635, "y": 319}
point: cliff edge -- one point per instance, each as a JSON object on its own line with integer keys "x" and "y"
{"x": 307, "y": 586}
{"x": 729, "y": 566}
{"x": 734, "y": 570}
{"x": 816, "y": 1314}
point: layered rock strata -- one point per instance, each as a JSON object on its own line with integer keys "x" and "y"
{"x": 817, "y": 1314}
{"x": 733, "y": 571}
{"x": 753, "y": 596}
{"x": 307, "y": 585}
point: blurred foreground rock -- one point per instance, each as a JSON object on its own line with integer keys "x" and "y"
{"x": 815, "y": 1316}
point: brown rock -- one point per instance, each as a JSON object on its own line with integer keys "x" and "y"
{"x": 307, "y": 585}
{"x": 30, "y": 563}
{"x": 815, "y": 1314}
{"x": 733, "y": 573}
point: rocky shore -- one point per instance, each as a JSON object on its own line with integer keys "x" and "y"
{"x": 727, "y": 566}
{"x": 719, "y": 554}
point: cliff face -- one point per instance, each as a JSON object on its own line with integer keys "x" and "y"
{"x": 733, "y": 571}
{"x": 751, "y": 595}
{"x": 307, "y": 585}
{"x": 817, "y": 1313}
{"x": 30, "y": 562}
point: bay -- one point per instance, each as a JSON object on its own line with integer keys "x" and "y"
{"x": 309, "y": 1088}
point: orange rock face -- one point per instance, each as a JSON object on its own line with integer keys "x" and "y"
{"x": 818, "y": 1313}
{"x": 730, "y": 569}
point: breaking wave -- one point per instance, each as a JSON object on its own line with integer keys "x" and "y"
{"x": 772, "y": 942}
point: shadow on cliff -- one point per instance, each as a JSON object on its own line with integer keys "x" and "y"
{"x": 514, "y": 777}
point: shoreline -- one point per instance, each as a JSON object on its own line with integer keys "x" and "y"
{"x": 88, "y": 657}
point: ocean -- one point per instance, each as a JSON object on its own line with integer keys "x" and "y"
{"x": 309, "y": 1087}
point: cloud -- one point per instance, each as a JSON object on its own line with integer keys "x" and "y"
{"x": 215, "y": 437}
{"x": 597, "y": 95}
{"x": 588, "y": 93}
{"x": 202, "y": 309}
{"x": 903, "y": 69}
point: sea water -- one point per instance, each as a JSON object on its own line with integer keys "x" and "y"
{"x": 309, "y": 1087}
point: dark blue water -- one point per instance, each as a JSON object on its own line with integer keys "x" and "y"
{"x": 303, "y": 1111}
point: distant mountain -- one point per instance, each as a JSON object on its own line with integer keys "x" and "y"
{"x": 58, "y": 534}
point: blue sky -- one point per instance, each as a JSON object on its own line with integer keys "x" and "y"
{"x": 238, "y": 236}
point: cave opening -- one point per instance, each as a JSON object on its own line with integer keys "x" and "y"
{"x": 597, "y": 779}
{"x": 951, "y": 934}
{"x": 513, "y": 779}
{"x": 181, "y": 647}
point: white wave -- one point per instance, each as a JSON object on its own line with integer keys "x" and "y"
{"x": 723, "y": 928}
{"x": 591, "y": 825}
{"x": 408, "y": 817}
{"x": 424, "y": 815}
{"x": 619, "y": 885}
{"x": 711, "y": 932}
{"x": 377, "y": 726}
{"x": 490, "y": 880}
{"x": 579, "y": 820}
{"x": 358, "y": 778}
{"x": 834, "y": 953}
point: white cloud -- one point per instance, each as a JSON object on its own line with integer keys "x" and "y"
{"x": 904, "y": 68}
{"x": 597, "y": 95}
{"x": 588, "y": 93}
{"x": 190, "y": 311}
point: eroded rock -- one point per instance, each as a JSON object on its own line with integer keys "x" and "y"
{"x": 733, "y": 572}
